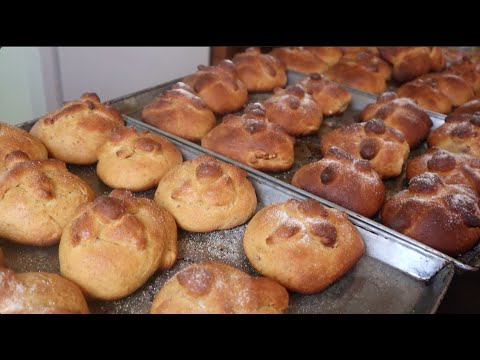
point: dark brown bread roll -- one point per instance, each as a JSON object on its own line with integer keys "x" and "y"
{"x": 294, "y": 110}
{"x": 300, "y": 59}
{"x": 330, "y": 96}
{"x": 219, "y": 86}
{"x": 302, "y": 245}
{"x": 384, "y": 147}
{"x": 39, "y": 293}
{"x": 459, "y": 134}
{"x": 402, "y": 114}
{"x": 344, "y": 180}
{"x": 451, "y": 167}
{"x": 445, "y": 217}
{"x": 217, "y": 288}
{"x": 252, "y": 140}
{"x": 180, "y": 112}
{"x": 74, "y": 132}
{"x": 260, "y": 72}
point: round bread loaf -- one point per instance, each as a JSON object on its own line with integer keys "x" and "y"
{"x": 384, "y": 147}
{"x": 370, "y": 62}
{"x": 328, "y": 54}
{"x": 74, "y": 132}
{"x": 344, "y": 180}
{"x": 459, "y": 134}
{"x": 302, "y": 245}
{"x": 217, "y": 288}
{"x": 37, "y": 200}
{"x": 180, "y": 112}
{"x": 39, "y": 293}
{"x": 17, "y": 144}
{"x": 252, "y": 140}
{"x": 300, "y": 59}
{"x": 401, "y": 114}
{"x": 114, "y": 244}
{"x": 445, "y": 217}
{"x": 426, "y": 96}
{"x": 219, "y": 86}
{"x": 260, "y": 72}
{"x": 452, "y": 86}
{"x": 330, "y": 96}
{"x": 205, "y": 194}
{"x": 452, "y": 168}
{"x": 294, "y": 110}
{"x": 350, "y": 73}
{"x": 356, "y": 49}
{"x": 135, "y": 160}
{"x": 468, "y": 71}
{"x": 470, "y": 107}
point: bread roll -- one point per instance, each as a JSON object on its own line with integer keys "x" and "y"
{"x": 74, "y": 132}
{"x": 459, "y": 134}
{"x": 402, "y": 114}
{"x": 468, "y": 71}
{"x": 454, "y": 87}
{"x": 356, "y": 49}
{"x": 330, "y": 96}
{"x": 219, "y": 86}
{"x": 453, "y": 56}
{"x": 344, "y": 180}
{"x": 470, "y": 107}
{"x": 37, "y": 200}
{"x": 217, "y": 288}
{"x": 302, "y": 245}
{"x": 114, "y": 244}
{"x": 180, "y": 112}
{"x": 17, "y": 144}
{"x": 205, "y": 194}
{"x": 356, "y": 76}
{"x": 39, "y": 293}
{"x": 135, "y": 160}
{"x": 369, "y": 61}
{"x": 300, "y": 59}
{"x": 452, "y": 168}
{"x": 426, "y": 96}
{"x": 384, "y": 147}
{"x": 329, "y": 54}
{"x": 445, "y": 217}
{"x": 260, "y": 72}
{"x": 294, "y": 110}
{"x": 252, "y": 140}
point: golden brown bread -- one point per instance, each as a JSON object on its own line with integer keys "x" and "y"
{"x": 260, "y": 72}
{"x": 300, "y": 59}
{"x": 135, "y": 160}
{"x": 332, "y": 97}
{"x": 459, "y": 134}
{"x": 384, "y": 147}
{"x": 74, "y": 132}
{"x": 445, "y": 217}
{"x": 356, "y": 49}
{"x": 454, "y": 87}
{"x": 402, "y": 114}
{"x": 470, "y": 107}
{"x": 180, "y": 112}
{"x": 344, "y": 180}
{"x": 294, "y": 110}
{"x": 113, "y": 245}
{"x": 206, "y": 194}
{"x": 369, "y": 61}
{"x": 37, "y": 200}
{"x": 426, "y": 96}
{"x": 329, "y": 54}
{"x": 219, "y": 86}
{"x": 39, "y": 293}
{"x": 451, "y": 167}
{"x": 17, "y": 144}
{"x": 302, "y": 245}
{"x": 252, "y": 140}
{"x": 217, "y": 288}
{"x": 356, "y": 76}
{"x": 468, "y": 71}
{"x": 412, "y": 61}
{"x": 453, "y": 56}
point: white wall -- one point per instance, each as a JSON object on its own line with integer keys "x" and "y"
{"x": 21, "y": 84}
{"x": 116, "y": 71}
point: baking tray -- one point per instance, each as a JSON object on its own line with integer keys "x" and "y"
{"x": 307, "y": 150}
{"x": 392, "y": 277}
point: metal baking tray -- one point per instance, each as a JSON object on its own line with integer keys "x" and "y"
{"x": 307, "y": 150}
{"x": 393, "y": 277}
